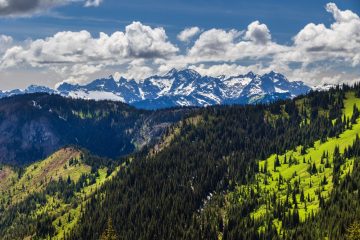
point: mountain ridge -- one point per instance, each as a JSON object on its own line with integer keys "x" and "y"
{"x": 32, "y": 126}
{"x": 181, "y": 88}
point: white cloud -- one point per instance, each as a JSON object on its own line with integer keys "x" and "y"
{"x": 213, "y": 43}
{"x": 258, "y": 33}
{"x": 74, "y": 80}
{"x": 146, "y": 42}
{"x": 93, "y": 3}
{"x": 318, "y": 51}
{"x": 138, "y": 41}
{"x": 138, "y": 69}
{"x": 4, "y": 3}
{"x": 341, "y": 16}
{"x": 188, "y": 33}
{"x": 232, "y": 45}
{"x": 74, "y": 55}
{"x": 5, "y": 42}
{"x": 341, "y": 41}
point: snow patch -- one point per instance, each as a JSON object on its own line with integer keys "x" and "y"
{"x": 279, "y": 90}
{"x": 96, "y": 95}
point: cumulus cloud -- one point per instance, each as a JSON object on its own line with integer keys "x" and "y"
{"x": 5, "y": 42}
{"x": 233, "y": 45}
{"x": 138, "y": 41}
{"x": 138, "y": 69}
{"x": 141, "y": 50}
{"x": 28, "y": 7}
{"x": 188, "y": 33}
{"x": 341, "y": 40}
{"x": 213, "y": 43}
{"x": 258, "y": 33}
{"x": 146, "y": 42}
{"x": 341, "y": 16}
{"x": 75, "y": 54}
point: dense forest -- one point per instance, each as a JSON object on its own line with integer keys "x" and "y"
{"x": 180, "y": 191}
{"x": 35, "y": 125}
{"x": 285, "y": 170}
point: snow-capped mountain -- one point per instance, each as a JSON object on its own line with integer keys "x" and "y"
{"x": 182, "y": 88}
{"x": 29, "y": 89}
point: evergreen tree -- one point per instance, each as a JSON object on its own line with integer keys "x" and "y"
{"x": 109, "y": 233}
{"x": 353, "y": 232}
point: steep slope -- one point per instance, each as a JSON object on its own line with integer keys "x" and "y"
{"x": 293, "y": 187}
{"x": 220, "y": 173}
{"x": 35, "y": 125}
{"x": 18, "y": 184}
{"x": 47, "y": 196}
{"x": 202, "y": 159}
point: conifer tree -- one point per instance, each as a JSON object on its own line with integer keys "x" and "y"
{"x": 109, "y": 233}
{"x": 353, "y": 232}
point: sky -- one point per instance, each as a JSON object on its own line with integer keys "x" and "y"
{"x": 47, "y": 42}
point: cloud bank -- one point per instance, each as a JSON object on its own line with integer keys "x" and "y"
{"x": 315, "y": 55}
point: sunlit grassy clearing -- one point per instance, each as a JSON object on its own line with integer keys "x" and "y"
{"x": 311, "y": 184}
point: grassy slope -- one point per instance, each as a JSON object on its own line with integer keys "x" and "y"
{"x": 269, "y": 183}
{"x": 36, "y": 178}
{"x": 38, "y": 175}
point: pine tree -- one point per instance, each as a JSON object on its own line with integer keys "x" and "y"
{"x": 353, "y": 232}
{"x": 276, "y": 163}
{"x": 302, "y": 197}
{"x": 314, "y": 169}
{"x": 109, "y": 233}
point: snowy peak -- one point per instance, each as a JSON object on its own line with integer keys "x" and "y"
{"x": 182, "y": 88}
{"x": 272, "y": 86}
{"x": 171, "y": 73}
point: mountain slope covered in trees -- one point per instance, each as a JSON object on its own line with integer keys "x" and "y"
{"x": 46, "y": 198}
{"x": 34, "y": 126}
{"x": 209, "y": 182}
{"x": 286, "y": 170}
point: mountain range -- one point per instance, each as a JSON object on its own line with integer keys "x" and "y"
{"x": 180, "y": 88}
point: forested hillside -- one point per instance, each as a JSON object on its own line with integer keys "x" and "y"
{"x": 240, "y": 172}
{"x": 34, "y": 126}
{"x": 286, "y": 170}
{"x": 46, "y": 198}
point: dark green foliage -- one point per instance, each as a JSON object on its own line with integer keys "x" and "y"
{"x": 337, "y": 214}
{"x": 165, "y": 196}
{"x": 178, "y": 193}
{"x": 19, "y": 215}
{"x": 109, "y": 233}
{"x": 353, "y": 231}
{"x": 105, "y": 128}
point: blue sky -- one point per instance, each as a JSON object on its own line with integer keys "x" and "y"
{"x": 283, "y": 17}
{"x": 279, "y": 20}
